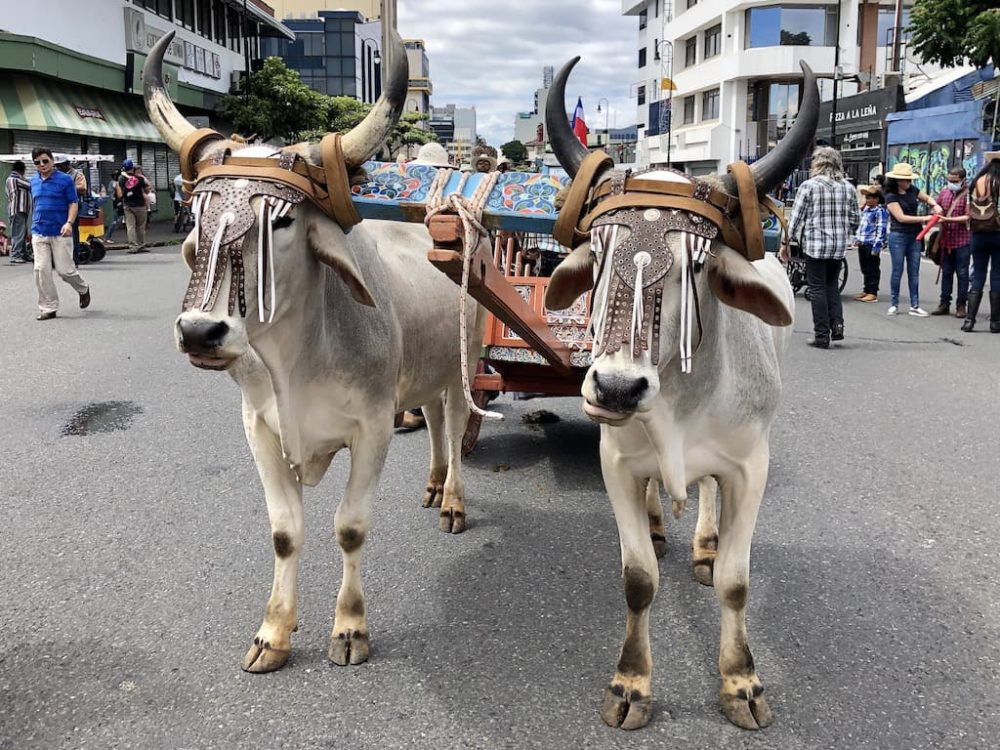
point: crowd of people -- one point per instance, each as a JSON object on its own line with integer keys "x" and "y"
{"x": 958, "y": 227}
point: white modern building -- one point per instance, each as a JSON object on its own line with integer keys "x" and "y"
{"x": 529, "y": 127}
{"x": 455, "y": 128}
{"x": 719, "y": 80}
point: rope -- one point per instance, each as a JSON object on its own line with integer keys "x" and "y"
{"x": 470, "y": 211}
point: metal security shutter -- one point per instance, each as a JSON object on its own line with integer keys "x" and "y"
{"x": 163, "y": 181}
{"x": 25, "y": 141}
{"x": 109, "y": 170}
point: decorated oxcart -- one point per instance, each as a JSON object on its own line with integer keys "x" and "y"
{"x": 526, "y": 347}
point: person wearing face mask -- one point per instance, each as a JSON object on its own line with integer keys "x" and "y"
{"x": 901, "y": 200}
{"x": 955, "y": 243}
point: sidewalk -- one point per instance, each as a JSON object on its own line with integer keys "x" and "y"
{"x": 158, "y": 234}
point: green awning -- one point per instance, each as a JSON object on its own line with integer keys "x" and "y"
{"x": 30, "y": 103}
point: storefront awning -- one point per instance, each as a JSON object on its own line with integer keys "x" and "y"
{"x": 38, "y": 104}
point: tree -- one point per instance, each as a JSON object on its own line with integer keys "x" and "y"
{"x": 515, "y": 151}
{"x": 274, "y": 102}
{"x": 949, "y": 32}
{"x": 409, "y": 133}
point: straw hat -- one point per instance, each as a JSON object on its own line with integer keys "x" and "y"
{"x": 433, "y": 155}
{"x": 870, "y": 190}
{"x": 901, "y": 171}
{"x": 990, "y": 156}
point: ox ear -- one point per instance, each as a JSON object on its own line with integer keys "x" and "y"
{"x": 737, "y": 283}
{"x": 330, "y": 249}
{"x": 573, "y": 277}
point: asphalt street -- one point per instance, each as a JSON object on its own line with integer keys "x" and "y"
{"x": 136, "y": 562}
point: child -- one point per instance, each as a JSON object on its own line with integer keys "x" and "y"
{"x": 871, "y": 237}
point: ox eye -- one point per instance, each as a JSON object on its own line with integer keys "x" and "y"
{"x": 283, "y": 222}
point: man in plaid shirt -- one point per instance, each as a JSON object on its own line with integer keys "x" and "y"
{"x": 824, "y": 218}
{"x": 955, "y": 243}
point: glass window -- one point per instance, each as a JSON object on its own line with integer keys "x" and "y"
{"x": 797, "y": 26}
{"x": 643, "y": 15}
{"x": 333, "y": 66}
{"x": 349, "y": 66}
{"x": 347, "y": 45}
{"x": 235, "y": 31}
{"x": 312, "y": 44}
{"x": 690, "y": 52}
{"x": 713, "y": 41}
{"x": 642, "y": 96}
{"x": 886, "y": 21}
{"x": 185, "y": 13}
{"x": 691, "y": 3}
{"x": 205, "y": 18}
{"x": 688, "y": 110}
{"x": 642, "y": 58}
{"x": 332, "y": 43}
{"x": 219, "y": 26}
{"x": 657, "y": 9}
{"x": 710, "y": 105}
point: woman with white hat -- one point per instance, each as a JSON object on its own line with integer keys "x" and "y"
{"x": 902, "y": 199}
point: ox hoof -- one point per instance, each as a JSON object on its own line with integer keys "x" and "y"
{"x": 626, "y": 709}
{"x": 452, "y": 521}
{"x": 433, "y": 496}
{"x": 704, "y": 571}
{"x": 747, "y": 711}
{"x": 349, "y": 648}
{"x": 659, "y": 545}
{"x": 263, "y": 658}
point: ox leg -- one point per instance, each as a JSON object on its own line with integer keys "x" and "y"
{"x": 349, "y": 642}
{"x": 456, "y": 417}
{"x": 434, "y": 493}
{"x": 273, "y": 642}
{"x": 628, "y": 699}
{"x": 741, "y": 694}
{"x": 654, "y": 510}
{"x": 706, "y": 533}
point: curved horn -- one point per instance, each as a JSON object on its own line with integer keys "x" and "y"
{"x": 368, "y": 136}
{"x": 772, "y": 169}
{"x": 171, "y": 123}
{"x": 566, "y": 146}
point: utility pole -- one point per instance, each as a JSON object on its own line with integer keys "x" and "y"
{"x": 388, "y": 26}
{"x": 836, "y": 76}
{"x": 896, "y": 34}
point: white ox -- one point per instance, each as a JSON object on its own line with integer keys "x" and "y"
{"x": 710, "y": 425}
{"x": 363, "y": 327}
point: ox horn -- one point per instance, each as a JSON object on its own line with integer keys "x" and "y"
{"x": 164, "y": 115}
{"x": 566, "y": 146}
{"x": 362, "y": 141}
{"x": 771, "y": 170}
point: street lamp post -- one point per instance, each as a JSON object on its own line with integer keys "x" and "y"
{"x": 374, "y": 83}
{"x": 607, "y": 114}
{"x": 666, "y": 51}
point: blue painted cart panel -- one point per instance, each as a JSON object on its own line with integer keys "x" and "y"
{"x": 520, "y": 201}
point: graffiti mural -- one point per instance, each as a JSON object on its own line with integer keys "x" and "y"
{"x": 939, "y": 161}
{"x": 914, "y": 154}
{"x": 972, "y": 159}
{"x": 931, "y": 161}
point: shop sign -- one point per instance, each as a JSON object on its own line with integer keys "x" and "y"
{"x": 90, "y": 113}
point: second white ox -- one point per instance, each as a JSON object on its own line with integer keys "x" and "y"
{"x": 360, "y": 326}
{"x": 661, "y": 423}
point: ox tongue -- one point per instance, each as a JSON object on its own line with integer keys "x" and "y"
{"x": 599, "y": 412}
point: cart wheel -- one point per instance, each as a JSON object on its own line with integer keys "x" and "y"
{"x": 97, "y": 251}
{"x": 475, "y": 423}
{"x": 84, "y": 254}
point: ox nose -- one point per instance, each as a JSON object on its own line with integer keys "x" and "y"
{"x": 201, "y": 336}
{"x": 619, "y": 392}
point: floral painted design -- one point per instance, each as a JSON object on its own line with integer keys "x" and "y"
{"x": 393, "y": 182}
{"x": 523, "y": 193}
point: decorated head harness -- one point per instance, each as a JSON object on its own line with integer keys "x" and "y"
{"x": 223, "y": 187}
{"x": 633, "y": 272}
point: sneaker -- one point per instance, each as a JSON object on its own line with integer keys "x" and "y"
{"x": 15, "y": 261}
{"x": 918, "y": 312}
{"x": 893, "y": 310}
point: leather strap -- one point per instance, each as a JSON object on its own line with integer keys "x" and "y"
{"x": 192, "y": 144}
{"x": 724, "y": 202}
{"x": 338, "y": 184}
{"x": 577, "y": 198}
{"x": 753, "y": 234}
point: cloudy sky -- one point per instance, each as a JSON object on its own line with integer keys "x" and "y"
{"x": 490, "y": 54}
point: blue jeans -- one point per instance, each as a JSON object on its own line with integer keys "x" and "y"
{"x": 954, "y": 263}
{"x": 985, "y": 254}
{"x": 905, "y": 247}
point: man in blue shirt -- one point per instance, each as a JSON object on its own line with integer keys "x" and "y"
{"x": 55, "y": 208}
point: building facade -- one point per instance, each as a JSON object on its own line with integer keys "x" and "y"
{"x": 305, "y": 9}
{"x": 455, "y": 128}
{"x": 70, "y": 75}
{"x": 529, "y": 127}
{"x": 720, "y": 80}
{"x": 420, "y": 88}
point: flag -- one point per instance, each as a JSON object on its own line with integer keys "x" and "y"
{"x": 579, "y": 124}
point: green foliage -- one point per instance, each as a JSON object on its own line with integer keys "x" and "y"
{"x": 949, "y": 32}
{"x": 409, "y": 133}
{"x": 515, "y": 151}
{"x": 274, "y": 102}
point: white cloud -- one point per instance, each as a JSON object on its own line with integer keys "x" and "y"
{"x": 490, "y": 54}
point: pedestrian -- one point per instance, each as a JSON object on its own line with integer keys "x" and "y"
{"x": 55, "y": 201}
{"x": 117, "y": 207}
{"x": 18, "y": 191}
{"x": 131, "y": 189}
{"x": 825, "y": 216}
{"x": 871, "y": 237}
{"x": 984, "y": 221}
{"x": 901, "y": 200}
{"x": 150, "y": 196}
{"x": 954, "y": 244}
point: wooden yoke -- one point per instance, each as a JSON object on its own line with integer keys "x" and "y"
{"x": 491, "y": 289}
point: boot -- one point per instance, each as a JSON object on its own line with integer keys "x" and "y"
{"x": 942, "y": 309}
{"x": 973, "y": 309}
{"x": 994, "y": 311}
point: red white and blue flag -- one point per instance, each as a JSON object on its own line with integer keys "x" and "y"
{"x": 579, "y": 124}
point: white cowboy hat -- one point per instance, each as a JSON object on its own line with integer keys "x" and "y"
{"x": 902, "y": 171}
{"x": 433, "y": 155}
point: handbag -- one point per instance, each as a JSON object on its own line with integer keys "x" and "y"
{"x": 983, "y": 214}
{"x": 932, "y": 242}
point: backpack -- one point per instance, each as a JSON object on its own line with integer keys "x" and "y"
{"x": 984, "y": 216}
{"x": 131, "y": 182}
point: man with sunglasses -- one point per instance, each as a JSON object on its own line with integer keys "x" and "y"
{"x": 55, "y": 209}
